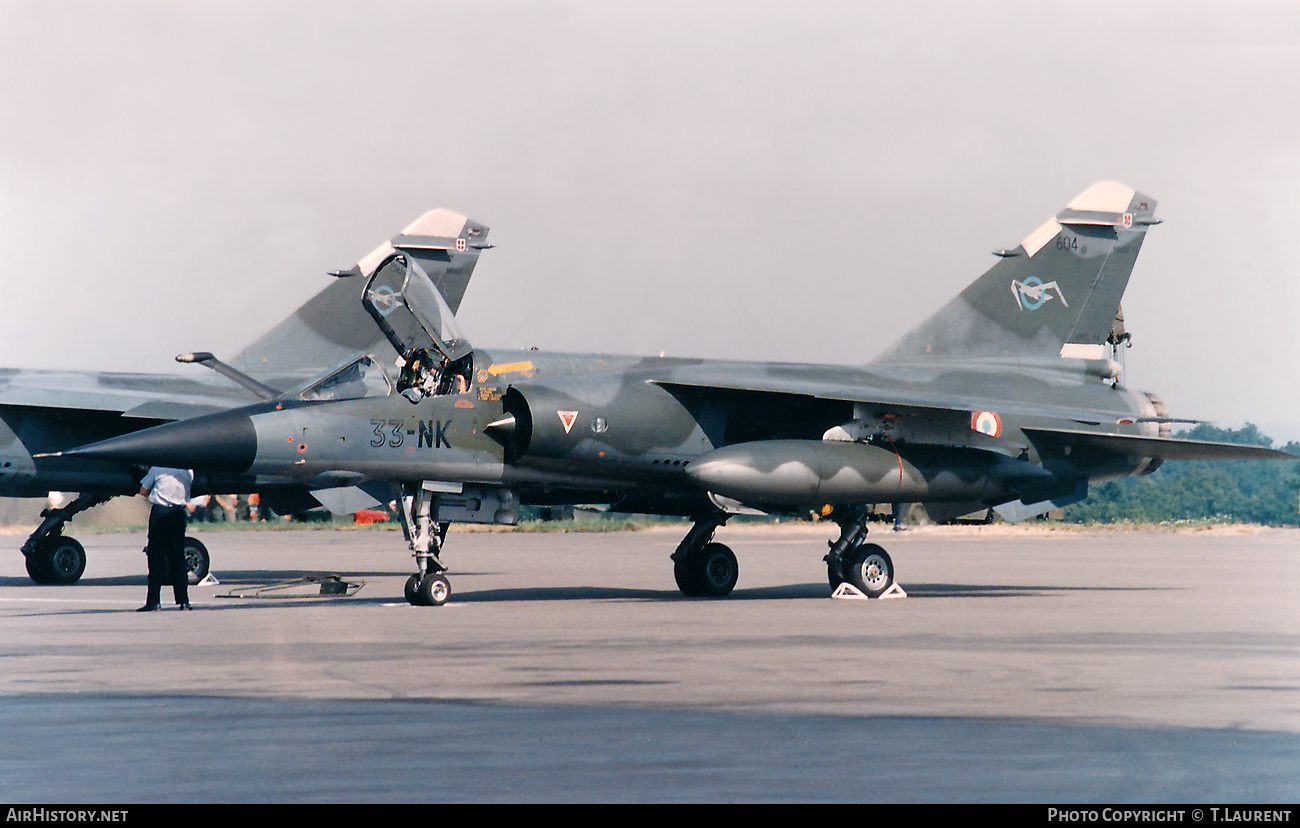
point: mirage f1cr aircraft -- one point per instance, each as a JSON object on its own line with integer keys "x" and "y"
{"x": 44, "y": 412}
{"x": 1008, "y": 397}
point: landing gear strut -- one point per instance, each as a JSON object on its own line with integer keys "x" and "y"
{"x": 852, "y": 560}
{"x": 57, "y": 560}
{"x": 51, "y": 557}
{"x": 428, "y": 587}
{"x": 704, "y": 568}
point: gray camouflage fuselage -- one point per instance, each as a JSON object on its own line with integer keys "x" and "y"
{"x": 1006, "y": 397}
{"x": 644, "y": 433}
{"x": 1009, "y": 398}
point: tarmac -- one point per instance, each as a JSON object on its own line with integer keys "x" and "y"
{"x": 1024, "y": 665}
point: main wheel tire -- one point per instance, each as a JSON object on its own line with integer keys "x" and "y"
{"x": 197, "y": 560}
{"x": 434, "y": 590}
{"x": 720, "y": 570}
{"x": 36, "y": 569}
{"x": 869, "y": 569}
{"x": 709, "y": 571}
{"x": 62, "y": 560}
{"x": 834, "y": 573}
{"x": 682, "y": 574}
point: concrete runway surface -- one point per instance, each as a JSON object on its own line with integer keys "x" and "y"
{"x": 1030, "y": 665}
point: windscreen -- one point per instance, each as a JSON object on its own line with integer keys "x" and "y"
{"x": 360, "y": 378}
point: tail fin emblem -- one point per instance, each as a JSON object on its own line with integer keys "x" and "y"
{"x": 1032, "y": 293}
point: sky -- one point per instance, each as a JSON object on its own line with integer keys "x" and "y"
{"x": 790, "y": 181}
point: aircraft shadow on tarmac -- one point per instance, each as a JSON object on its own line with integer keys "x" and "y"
{"x": 248, "y": 577}
{"x": 1008, "y": 591}
{"x": 237, "y": 578}
{"x": 117, "y": 580}
{"x": 586, "y": 592}
{"x": 782, "y": 592}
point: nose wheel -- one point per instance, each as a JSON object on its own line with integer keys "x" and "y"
{"x": 428, "y": 587}
{"x": 432, "y": 590}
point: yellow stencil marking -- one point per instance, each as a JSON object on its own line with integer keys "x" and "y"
{"x": 509, "y": 368}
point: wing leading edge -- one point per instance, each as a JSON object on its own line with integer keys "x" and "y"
{"x": 1163, "y": 448}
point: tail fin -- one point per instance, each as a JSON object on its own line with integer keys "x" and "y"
{"x": 1056, "y": 294}
{"x": 333, "y": 325}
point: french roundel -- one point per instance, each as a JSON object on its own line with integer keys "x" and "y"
{"x": 986, "y": 422}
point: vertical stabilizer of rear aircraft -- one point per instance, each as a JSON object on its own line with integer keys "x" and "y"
{"x": 333, "y": 326}
{"x": 1056, "y": 294}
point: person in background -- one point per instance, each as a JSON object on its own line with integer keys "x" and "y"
{"x": 228, "y": 505}
{"x": 200, "y": 509}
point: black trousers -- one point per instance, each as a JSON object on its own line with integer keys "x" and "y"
{"x": 166, "y": 553}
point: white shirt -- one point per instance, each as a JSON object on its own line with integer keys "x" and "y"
{"x": 168, "y": 487}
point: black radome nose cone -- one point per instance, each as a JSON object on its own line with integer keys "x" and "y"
{"x": 225, "y": 441}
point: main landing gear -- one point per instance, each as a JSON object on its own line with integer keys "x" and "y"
{"x": 51, "y": 557}
{"x": 428, "y": 587}
{"x": 707, "y": 569}
{"x": 54, "y": 559}
{"x": 864, "y": 566}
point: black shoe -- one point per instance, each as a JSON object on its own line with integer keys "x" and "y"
{"x": 184, "y": 606}
{"x": 149, "y": 608}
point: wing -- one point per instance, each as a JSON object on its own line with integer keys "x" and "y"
{"x": 1164, "y": 448}
{"x": 43, "y": 412}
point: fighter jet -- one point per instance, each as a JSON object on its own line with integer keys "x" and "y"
{"x": 44, "y": 412}
{"x": 1009, "y": 397}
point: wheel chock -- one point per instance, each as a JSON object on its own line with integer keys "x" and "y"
{"x": 894, "y": 591}
{"x": 849, "y": 592}
{"x": 208, "y": 580}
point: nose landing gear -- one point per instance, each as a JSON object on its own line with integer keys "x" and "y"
{"x": 428, "y": 587}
